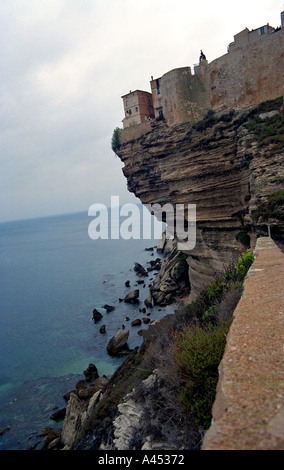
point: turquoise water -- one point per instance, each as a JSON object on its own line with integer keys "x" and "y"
{"x": 52, "y": 276}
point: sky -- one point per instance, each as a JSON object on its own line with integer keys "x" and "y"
{"x": 65, "y": 65}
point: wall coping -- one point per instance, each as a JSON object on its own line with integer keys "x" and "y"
{"x": 248, "y": 413}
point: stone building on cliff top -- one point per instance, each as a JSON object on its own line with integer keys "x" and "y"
{"x": 249, "y": 73}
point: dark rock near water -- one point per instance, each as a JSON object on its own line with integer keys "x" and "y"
{"x": 91, "y": 373}
{"x": 136, "y": 322}
{"x": 97, "y": 316}
{"x": 109, "y": 308}
{"x": 117, "y": 344}
{"x": 96, "y": 385}
{"x": 58, "y": 415}
{"x": 132, "y": 297}
{"x": 103, "y": 329}
{"x": 127, "y": 283}
{"x": 81, "y": 384}
{"x": 52, "y": 437}
{"x": 140, "y": 271}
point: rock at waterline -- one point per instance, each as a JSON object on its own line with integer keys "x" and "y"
{"x": 127, "y": 283}
{"x": 58, "y": 415}
{"x": 97, "y": 316}
{"x": 117, "y": 344}
{"x": 91, "y": 373}
{"x": 148, "y": 301}
{"x": 136, "y": 322}
{"x": 132, "y": 297}
{"x": 140, "y": 271}
{"x": 103, "y": 329}
{"x": 109, "y": 308}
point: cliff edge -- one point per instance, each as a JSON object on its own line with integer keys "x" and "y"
{"x": 230, "y": 165}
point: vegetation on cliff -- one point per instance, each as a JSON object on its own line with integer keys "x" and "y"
{"x": 115, "y": 141}
{"x": 198, "y": 349}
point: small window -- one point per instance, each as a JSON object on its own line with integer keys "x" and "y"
{"x": 137, "y": 109}
{"x": 262, "y": 30}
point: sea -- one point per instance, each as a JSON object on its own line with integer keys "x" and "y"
{"x": 53, "y": 274}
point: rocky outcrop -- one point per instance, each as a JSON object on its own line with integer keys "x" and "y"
{"x": 132, "y": 297}
{"x": 118, "y": 344}
{"x": 172, "y": 282}
{"x": 228, "y": 164}
{"x": 76, "y": 419}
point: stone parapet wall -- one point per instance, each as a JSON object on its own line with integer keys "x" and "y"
{"x": 248, "y": 75}
{"x": 134, "y": 132}
{"x": 248, "y": 413}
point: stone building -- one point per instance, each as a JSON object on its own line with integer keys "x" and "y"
{"x": 249, "y": 73}
{"x": 156, "y": 90}
{"x": 138, "y": 107}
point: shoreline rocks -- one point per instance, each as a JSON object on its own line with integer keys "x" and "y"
{"x": 118, "y": 343}
{"x": 132, "y": 297}
{"x": 97, "y": 316}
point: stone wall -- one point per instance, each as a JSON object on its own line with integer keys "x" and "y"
{"x": 134, "y": 132}
{"x": 248, "y": 413}
{"x": 249, "y": 74}
{"x": 185, "y": 98}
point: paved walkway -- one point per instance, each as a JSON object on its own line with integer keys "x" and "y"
{"x": 248, "y": 413}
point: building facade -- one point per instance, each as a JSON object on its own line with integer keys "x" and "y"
{"x": 249, "y": 73}
{"x": 157, "y": 96}
{"x": 138, "y": 107}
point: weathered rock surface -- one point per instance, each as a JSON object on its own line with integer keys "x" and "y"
{"x": 117, "y": 344}
{"x": 76, "y": 419}
{"x": 171, "y": 282}
{"x": 91, "y": 373}
{"x": 140, "y": 270}
{"x": 132, "y": 297}
{"x": 223, "y": 166}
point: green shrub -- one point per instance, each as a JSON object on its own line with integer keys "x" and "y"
{"x": 198, "y": 353}
{"x": 115, "y": 142}
{"x": 199, "y": 347}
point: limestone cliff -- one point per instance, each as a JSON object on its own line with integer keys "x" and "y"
{"x": 229, "y": 165}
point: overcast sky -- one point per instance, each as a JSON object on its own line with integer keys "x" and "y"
{"x": 65, "y": 65}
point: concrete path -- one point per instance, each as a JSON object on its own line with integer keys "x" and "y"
{"x": 248, "y": 413}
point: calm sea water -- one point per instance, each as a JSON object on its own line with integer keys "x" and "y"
{"x": 52, "y": 276}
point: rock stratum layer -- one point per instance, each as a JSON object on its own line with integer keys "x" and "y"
{"x": 228, "y": 165}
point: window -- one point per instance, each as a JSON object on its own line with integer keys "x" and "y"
{"x": 137, "y": 109}
{"x": 262, "y": 30}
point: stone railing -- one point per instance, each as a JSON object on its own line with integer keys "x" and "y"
{"x": 134, "y": 132}
{"x": 248, "y": 413}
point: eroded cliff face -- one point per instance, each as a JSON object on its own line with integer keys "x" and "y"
{"x": 227, "y": 164}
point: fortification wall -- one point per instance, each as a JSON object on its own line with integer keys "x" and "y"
{"x": 185, "y": 98}
{"x": 134, "y": 132}
{"x": 248, "y": 75}
{"x": 248, "y": 413}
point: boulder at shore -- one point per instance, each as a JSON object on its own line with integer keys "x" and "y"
{"x": 132, "y": 297}
{"x": 91, "y": 373}
{"x": 97, "y": 316}
{"x": 117, "y": 344}
{"x": 140, "y": 271}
